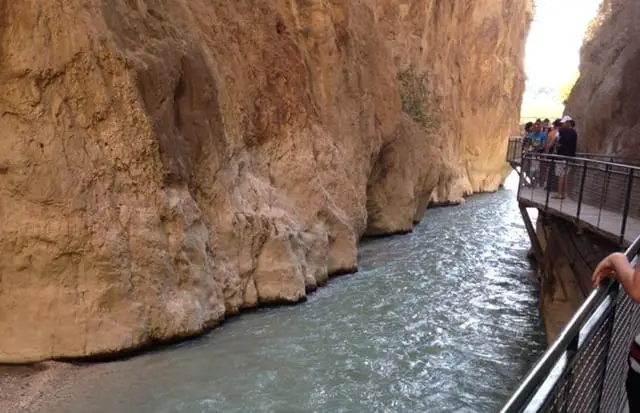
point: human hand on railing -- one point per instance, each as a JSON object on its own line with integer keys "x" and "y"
{"x": 617, "y": 267}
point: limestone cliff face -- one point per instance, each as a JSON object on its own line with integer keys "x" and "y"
{"x": 164, "y": 163}
{"x": 604, "y": 100}
{"x": 472, "y": 54}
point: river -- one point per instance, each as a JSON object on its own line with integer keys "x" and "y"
{"x": 441, "y": 320}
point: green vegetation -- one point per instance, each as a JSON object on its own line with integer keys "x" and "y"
{"x": 306, "y": 31}
{"x": 565, "y": 89}
{"x": 417, "y": 101}
{"x": 594, "y": 25}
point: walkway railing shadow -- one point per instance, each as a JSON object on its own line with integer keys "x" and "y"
{"x": 601, "y": 195}
{"x": 585, "y": 369}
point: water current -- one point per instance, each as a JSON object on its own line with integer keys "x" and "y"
{"x": 441, "y": 320}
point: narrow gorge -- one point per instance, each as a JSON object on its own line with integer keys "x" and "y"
{"x": 166, "y": 164}
{"x": 605, "y": 97}
{"x": 604, "y": 103}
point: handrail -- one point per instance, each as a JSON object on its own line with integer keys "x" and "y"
{"x": 577, "y": 158}
{"x": 567, "y": 338}
{"x": 584, "y": 156}
{"x": 603, "y": 195}
{"x": 627, "y": 160}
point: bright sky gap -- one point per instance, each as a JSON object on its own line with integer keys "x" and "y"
{"x": 553, "y": 52}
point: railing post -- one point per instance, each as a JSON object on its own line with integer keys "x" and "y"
{"x": 604, "y": 193}
{"x": 572, "y": 352}
{"x": 627, "y": 205}
{"x": 581, "y": 191}
{"x": 572, "y": 348}
{"x": 611, "y": 321}
{"x": 520, "y": 149}
{"x": 512, "y": 151}
{"x": 521, "y": 178}
{"x": 546, "y": 202}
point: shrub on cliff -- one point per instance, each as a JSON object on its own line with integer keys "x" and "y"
{"x": 417, "y": 101}
{"x": 567, "y": 87}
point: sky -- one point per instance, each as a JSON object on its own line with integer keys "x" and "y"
{"x": 556, "y": 32}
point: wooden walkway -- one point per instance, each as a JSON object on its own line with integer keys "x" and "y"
{"x": 602, "y": 221}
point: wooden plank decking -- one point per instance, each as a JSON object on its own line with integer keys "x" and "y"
{"x": 608, "y": 223}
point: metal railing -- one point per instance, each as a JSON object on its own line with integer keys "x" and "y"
{"x": 515, "y": 152}
{"x": 604, "y": 196}
{"x": 584, "y": 371}
{"x": 625, "y": 160}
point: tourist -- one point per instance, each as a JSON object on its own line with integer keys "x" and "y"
{"x": 617, "y": 267}
{"x": 526, "y": 141}
{"x": 552, "y": 137}
{"x": 528, "y": 127}
{"x": 565, "y": 146}
{"x": 548, "y": 172}
{"x": 538, "y": 139}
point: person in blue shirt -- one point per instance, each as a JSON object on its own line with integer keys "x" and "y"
{"x": 537, "y": 142}
{"x": 538, "y": 138}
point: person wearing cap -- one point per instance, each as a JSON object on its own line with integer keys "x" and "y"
{"x": 617, "y": 267}
{"x": 566, "y": 145}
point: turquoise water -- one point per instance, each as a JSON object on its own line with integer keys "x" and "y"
{"x": 441, "y": 320}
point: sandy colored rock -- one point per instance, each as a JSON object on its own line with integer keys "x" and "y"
{"x": 36, "y": 388}
{"x": 472, "y": 56}
{"x": 604, "y": 101}
{"x": 164, "y": 164}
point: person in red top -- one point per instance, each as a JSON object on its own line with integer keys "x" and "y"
{"x": 617, "y": 267}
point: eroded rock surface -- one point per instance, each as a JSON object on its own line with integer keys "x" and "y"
{"x": 164, "y": 164}
{"x": 604, "y": 100}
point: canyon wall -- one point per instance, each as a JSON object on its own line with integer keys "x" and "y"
{"x": 604, "y": 101}
{"x": 165, "y": 164}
